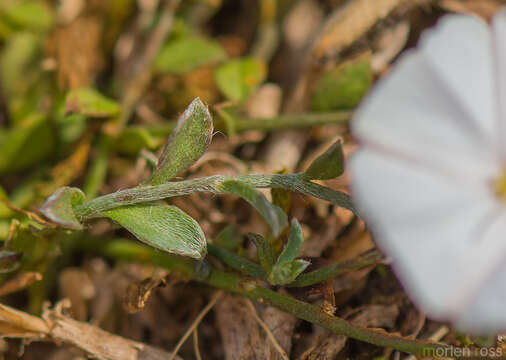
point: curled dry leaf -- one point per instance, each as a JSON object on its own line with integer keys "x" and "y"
{"x": 138, "y": 293}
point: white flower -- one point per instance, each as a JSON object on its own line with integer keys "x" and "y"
{"x": 430, "y": 176}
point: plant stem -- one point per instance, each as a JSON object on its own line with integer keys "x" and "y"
{"x": 334, "y": 270}
{"x": 292, "y": 121}
{"x": 143, "y": 194}
{"x": 236, "y": 262}
{"x": 241, "y": 124}
{"x": 124, "y": 250}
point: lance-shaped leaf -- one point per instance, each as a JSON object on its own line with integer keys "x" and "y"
{"x": 188, "y": 141}
{"x": 272, "y": 214}
{"x": 285, "y": 273}
{"x": 294, "y": 244}
{"x": 287, "y": 268}
{"x": 59, "y": 207}
{"x": 264, "y": 250}
{"x": 328, "y": 165}
{"x": 163, "y": 227}
{"x": 89, "y": 102}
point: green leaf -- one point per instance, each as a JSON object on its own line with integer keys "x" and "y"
{"x": 165, "y": 228}
{"x": 343, "y": 87}
{"x": 285, "y": 273}
{"x": 59, "y": 207}
{"x": 264, "y": 250}
{"x": 16, "y": 61}
{"x": 4, "y": 209}
{"x": 28, "y": 142}
{"x": 229, "y": 238}
{"x": 238, "y": 78}
{"x": 272, "y": 214}
{"x": 188, "y": 53}
{"x": 294, "y": 244}
{"x": 28, "y": 14}
{"x": 134, "y": 139}
{"x": 328, "y": 165}
{"x": 89, "y": 102}
{"x": 188, "y": 141}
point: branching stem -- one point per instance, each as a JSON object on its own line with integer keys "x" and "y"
{"x": 143, "y": 194}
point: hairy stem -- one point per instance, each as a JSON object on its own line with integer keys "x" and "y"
{"x": 125, "y": 250}
{"x": 143, "y": 194}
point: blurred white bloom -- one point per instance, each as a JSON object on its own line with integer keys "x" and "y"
{"x": 430, "y": 175}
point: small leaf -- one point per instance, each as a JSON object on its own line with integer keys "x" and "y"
{"x": 59, "y": 207}
{"x": 272, "y": 214}
{"x": 328, "y": 165}
{"x": 285, "y": 273}
{"x": 188, "y": 141}
{"x": 294, "y": 245}
{"x": 134, "y": 139}
{"x": 89, "y": 102}
{"x": 188, "y": 53}
{"x": 229, "y": 238}
{"x": 264, "y": 250}
{"x": 238, "y": 78}
{"x": 165, "y": 228}
{"x": 32, "y": 14}
{"x": 343, "y": 87}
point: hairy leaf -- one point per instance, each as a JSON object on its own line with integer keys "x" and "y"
{"x": 328, "y": 165}
{"x": 274, "y": 216}
{"x": 186, "y": 144}
{"x": 294, "y": 244}
{"x": 264, "y": 250}
{"x": 59, "y": 207}
{"x": 285, "y": 273}
{"x": 165, "y": 228}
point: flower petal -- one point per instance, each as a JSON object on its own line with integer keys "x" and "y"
{"x": 431, "y": 228}
{"x": 499, "y": 37}
{"x": 485, "y": 314}
{"x": 436, "y": 107}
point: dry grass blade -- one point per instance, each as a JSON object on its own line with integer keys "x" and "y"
{"x": 195, "y": 323}
{"x": 270, "y": 336}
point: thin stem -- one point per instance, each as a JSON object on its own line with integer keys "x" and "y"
{"x": 143, "y": 194}
{"x": 335, "y": 270}
{"x": 242, "y": 124}
{"x": 236, "y": 262}
{"x": 250, "y": 289}
{"x": 291, "y": 121}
